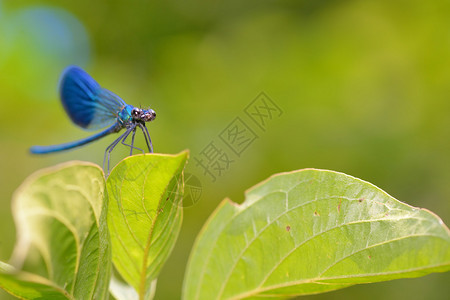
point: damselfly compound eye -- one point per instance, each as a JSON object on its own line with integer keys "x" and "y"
{"x": 136, "y": 112}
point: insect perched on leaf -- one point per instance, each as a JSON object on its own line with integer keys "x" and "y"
{"x": 92, "y": 107}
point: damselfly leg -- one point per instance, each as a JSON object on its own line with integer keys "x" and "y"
{"x": 148, "y": 140}
{"x": 113, "y": 145}
{"x": 132, "y": 143}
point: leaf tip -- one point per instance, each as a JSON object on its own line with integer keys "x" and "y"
{"x": 231, "y": 202}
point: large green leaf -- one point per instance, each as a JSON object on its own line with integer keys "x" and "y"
{"x": 312, "y": 231}
{"x": 145, "y": 214}
{"x": 61, "y": 212}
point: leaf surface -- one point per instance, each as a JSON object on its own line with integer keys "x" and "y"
{"x": 312, "y": 231}
{"x": 60, "y": 211}
{"x": 145, "y": 214}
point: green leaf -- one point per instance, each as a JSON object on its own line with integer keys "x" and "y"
{"x": 60, "y": 211}
{"x": 28, "y": 286}
{"x": 312, "y": 231}
{"x": 145, "y": 214}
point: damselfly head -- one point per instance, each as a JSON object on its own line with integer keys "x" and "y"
{"x": 148, "y": 115}
{"x": 144, "y": 115}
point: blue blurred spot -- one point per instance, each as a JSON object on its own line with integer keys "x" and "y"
{"x": 54, "y": 33}
{"x": 36, "y": 44}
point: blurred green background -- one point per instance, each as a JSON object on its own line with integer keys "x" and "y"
{"x": 364, "y": 87}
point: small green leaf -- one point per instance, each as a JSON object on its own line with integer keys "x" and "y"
{"x": 60, "y": 211}
{"x": 28, "y": 286}
{"x": 312, "y": 231}
{"x": 144, "y": 217}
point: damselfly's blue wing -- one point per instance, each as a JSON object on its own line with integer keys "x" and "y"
{"x": 88, "y": 104}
